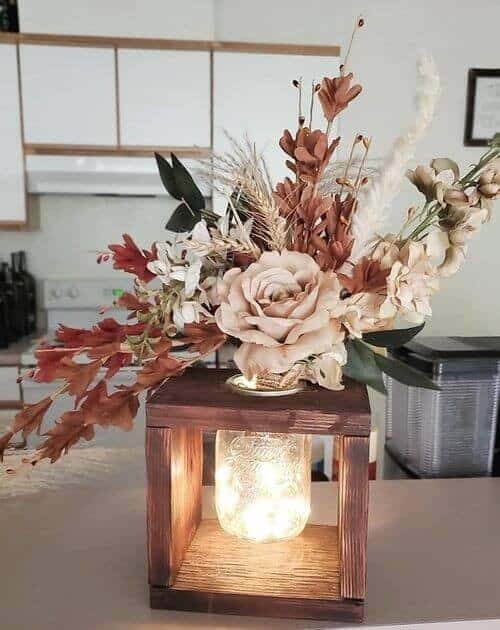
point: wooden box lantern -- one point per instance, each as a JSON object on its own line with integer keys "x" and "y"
{"x": 194, "y": 564}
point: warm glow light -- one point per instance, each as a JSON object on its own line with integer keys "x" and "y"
{"x": 262, "y": 484}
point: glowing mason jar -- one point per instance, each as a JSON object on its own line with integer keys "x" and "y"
{"x": 263, "y": 484}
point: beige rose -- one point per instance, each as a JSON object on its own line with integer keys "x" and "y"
{"x": 280, "y": 308}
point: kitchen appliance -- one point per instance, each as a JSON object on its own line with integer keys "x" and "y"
{"x": 451, "y": 432}
{"x": 99, "y": 175}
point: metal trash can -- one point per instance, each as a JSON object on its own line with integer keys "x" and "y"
{"x": 447, "y": 433}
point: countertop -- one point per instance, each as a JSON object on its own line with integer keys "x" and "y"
{"x": 75, "y": 557}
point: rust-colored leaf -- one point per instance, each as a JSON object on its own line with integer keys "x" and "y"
{"x": 31, "y": 416}
{"x": 4, "y": 442}
{"x": 128, "y": 257}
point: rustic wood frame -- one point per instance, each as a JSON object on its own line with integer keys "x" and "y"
{"x": 474, "y": 73}
{"x": 176, "y": 418}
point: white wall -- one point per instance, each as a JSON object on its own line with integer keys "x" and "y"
{"x": 460, "y": 35}
{"x": 74, "y": 227}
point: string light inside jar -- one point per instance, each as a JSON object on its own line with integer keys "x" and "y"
{"x": 263, "y": 484}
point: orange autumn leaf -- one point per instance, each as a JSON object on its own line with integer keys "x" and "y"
{"x": 203, "y": 338}
{"x": 31, "y": 416}
{"x": 67, "y": 431}
{"x": 4, "y": 442}
{"x": 128, "y": 257}
{"x": 79, "y": 376}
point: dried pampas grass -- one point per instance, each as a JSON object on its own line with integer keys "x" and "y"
{"x": 378, "y": 196}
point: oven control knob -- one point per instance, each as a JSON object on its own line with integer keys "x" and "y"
{"x": 73, "y": 292}
{"x": 55, "y": 293}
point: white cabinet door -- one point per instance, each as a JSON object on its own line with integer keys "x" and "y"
{"x": 69, "y": 95}
{"x": 164, "y": 97}
{"x": 12, "y": 191}
{"x": 253, "y": 95}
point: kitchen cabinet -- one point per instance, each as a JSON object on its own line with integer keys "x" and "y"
{"x": 69, "y": 95}
{"x": 12, "y": 189}
{"x": 164, "y": 97}
{"x": 253, "y": 97}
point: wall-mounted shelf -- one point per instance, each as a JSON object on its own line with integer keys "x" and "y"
{"x": 112, "y": 151}
{"x": 93, "y": 41}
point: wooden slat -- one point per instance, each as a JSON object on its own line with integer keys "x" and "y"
{"x": 353, "y": 515}
{"x": 202, "y": 398}
{"x": 93, "y": 41}
{"x": 306, "y": 566}
{"x": 112, "y": 151}
{"x": 174, "y": 471}
{"x": 276, "y": 49}
{"x": 257, "y": 605}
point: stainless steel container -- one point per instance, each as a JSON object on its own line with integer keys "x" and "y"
{"x": 447, "y": 433}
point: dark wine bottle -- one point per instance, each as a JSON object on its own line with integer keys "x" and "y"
{"x": 7, "y": 289}
{"x": 19, "y": 322}
{"x": 29, "y": 292}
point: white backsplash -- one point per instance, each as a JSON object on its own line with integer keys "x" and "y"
{"x": 74, "y": 227}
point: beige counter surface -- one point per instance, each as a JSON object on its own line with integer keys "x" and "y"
{"x": 75, "y": 558}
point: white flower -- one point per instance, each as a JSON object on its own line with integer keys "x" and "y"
{"x": 174, "y": 263}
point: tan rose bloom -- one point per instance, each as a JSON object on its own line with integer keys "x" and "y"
{"x": 280, "y": 309}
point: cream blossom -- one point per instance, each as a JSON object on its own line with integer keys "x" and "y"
{"x": 173, "y": 263}
{"x": 410, "y": 284}
{"x": 280, "y": 308}
{"x": 431, "y": 181}
{"x": 386, "y": 251}
{"x": 326, "y": 369}
{"x": 360, "y": 313}
{"x": 448, "y": 246}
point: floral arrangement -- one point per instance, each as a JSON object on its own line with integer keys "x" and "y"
{"x": 296, "y": 273}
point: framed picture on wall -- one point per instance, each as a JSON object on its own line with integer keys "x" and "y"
{"x": 482, "y": 116}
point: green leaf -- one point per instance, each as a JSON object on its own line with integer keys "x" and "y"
{"x": 182, "y": 219}
{"x": 167, "y": 176}
{"x": 404, "y": 373}
{"x": 189, "y": 191}
{"x": 392, "y": 338}
{"x": 361, "y": 365}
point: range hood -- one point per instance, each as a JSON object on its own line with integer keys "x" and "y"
{"x": 103, "y": 175}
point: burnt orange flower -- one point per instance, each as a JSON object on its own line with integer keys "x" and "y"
{"x": 336, "y": 94}
{"x": 310, "y": 151}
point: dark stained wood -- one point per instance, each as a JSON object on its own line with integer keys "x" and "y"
{"x": 201, "y": 397}
{"x": 174, "y": 474}
{"x": 306, "y": 566}
{"x": 257, "y": 605}
{"x": 353, "y": 515}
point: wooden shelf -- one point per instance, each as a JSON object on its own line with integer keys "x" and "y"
{"x": 91, "y": 41}
{"x": 111, "y": 151}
